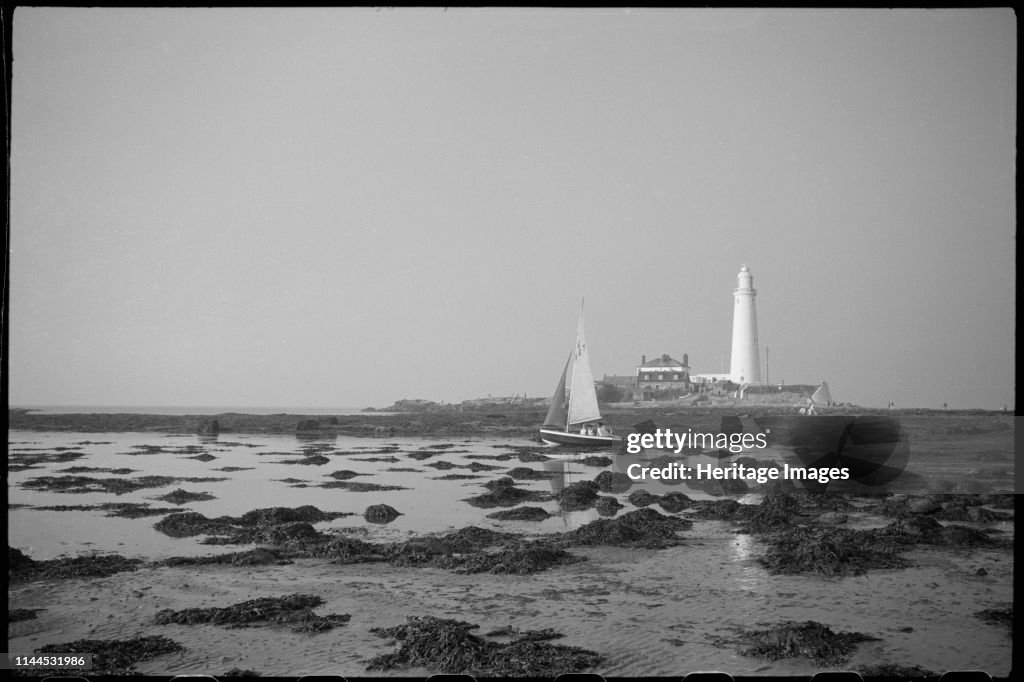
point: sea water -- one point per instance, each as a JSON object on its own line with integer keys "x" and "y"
{"x": 270, "y": 475}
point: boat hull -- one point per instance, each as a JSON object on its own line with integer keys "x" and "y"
{"x": 555, "y": 437}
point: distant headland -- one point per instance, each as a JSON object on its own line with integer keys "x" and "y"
{"x": 503, "y": 417}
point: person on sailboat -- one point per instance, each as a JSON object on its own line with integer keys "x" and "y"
{"x": 603, "y": 430}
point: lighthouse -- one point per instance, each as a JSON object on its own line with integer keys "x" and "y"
{"x": 745, "y": 365}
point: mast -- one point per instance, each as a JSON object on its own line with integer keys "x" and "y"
{"x": 573, "y": 357}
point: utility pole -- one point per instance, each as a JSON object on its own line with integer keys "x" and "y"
{"x": 767, "y": 381}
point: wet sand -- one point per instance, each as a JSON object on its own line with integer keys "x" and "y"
{"x": 650, "y": 612}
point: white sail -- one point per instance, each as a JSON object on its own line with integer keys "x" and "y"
{"x": 821, "y": 396}
{"x": 582, "y": 394}
{"x": 558, "y": 413}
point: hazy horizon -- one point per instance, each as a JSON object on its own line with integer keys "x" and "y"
{"x": 352, "y": 206}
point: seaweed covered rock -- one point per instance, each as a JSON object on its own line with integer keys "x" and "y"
{"x": 285, "y": 533}
{"x": 115, "y": 657}
{"x": 89, "y": 484}
{"x": 439, "y": 551}
{"x": 473, "y": 538}
{"x": 774, "y": 512}
{"x": 381, "y": 513}
{"x": 270, "y": 516}
{"x": 926, "y": 530}
{"x": 344, "y": 474}
{"x": 527, "y": 474}
{"x": 422, "y": 552}
{"x": 608, "y": 506}
{"x": 442, "y": 645}
{"x": 1002, "y": 617}
{"x": 343, "y": 550}
{"x": 314, "y": 460}
{"x": 261, "y": 556}
{"x": 499, "y": 483}
{"x": 715, "y": 509}
{"x": 830, "y": 551}
{"x": 356, "y": 487}
{"x": 504, "y": 494}
{"x": 520, "y": 514}
{"x": 18, "y": 615}
{"x": 294, "y": 610}
{"x": 644, "y": 528}
{"x": 674, "y": 502}
{"x": 448, "y": 646}
{"x": 596, "y": 461}
{"x": 187, "y": 524}
{"x": 477, "y": 467}
{"x": 528, "y": 457}
{"x": 914, "y": 528}
{"x": 17, "y": 560}
{"x": 528, "y": 557}
{"x": 181, "y": 496}
{"x": 613, "y": 482}
{"x": 578, "y": 496}
{"x": 642, "y": 498}
{"x": 88, "y": 566}
{"x": 809, "y": 640}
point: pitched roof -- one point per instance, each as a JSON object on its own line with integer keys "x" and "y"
{"x": 663, "y": 361}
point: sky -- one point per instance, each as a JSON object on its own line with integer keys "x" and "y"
{"x": 347, "y": 206}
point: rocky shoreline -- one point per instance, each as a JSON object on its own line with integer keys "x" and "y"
{"x": 750, "y": 588}
{"x": 446, "y": 645}
{"x": 485, "y": 420}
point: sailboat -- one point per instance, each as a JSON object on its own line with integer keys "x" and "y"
{"x": 569, "y": 412}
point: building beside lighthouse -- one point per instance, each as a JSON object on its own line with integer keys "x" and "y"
{"x": 745, "y": 361}
{"x": 660, "y": 378}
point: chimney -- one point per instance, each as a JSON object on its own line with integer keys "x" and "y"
{"x": 643, "y": 359}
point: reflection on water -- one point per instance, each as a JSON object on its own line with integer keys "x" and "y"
{"x": 568, "y": 469}
{"x": 258, "y": 471}
{"x": 563, "y": 472}
{"x": 435, "y": 477}
{"x": 751, "y": 577}
{"x": 694, "y": 488}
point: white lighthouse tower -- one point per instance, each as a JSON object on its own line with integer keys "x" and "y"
{"x": 745, "y": 366}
